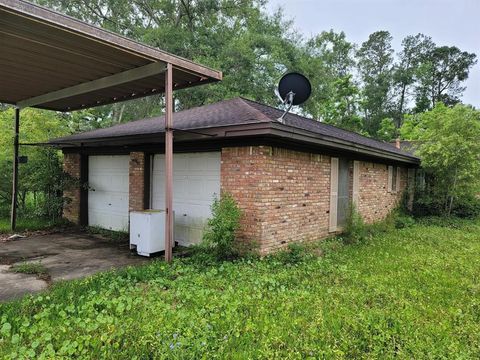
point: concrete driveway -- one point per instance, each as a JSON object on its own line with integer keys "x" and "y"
{"x": 65, "y": 256}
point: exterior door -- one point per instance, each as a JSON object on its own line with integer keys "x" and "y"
{"x": 196, "y": 181}
{"x": 343, "y": 200}
{"x": 108, "y": 192}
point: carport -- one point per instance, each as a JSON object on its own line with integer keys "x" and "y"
{"x": 55, "y": 62}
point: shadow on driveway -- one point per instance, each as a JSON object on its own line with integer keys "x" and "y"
{"x": 65, "y": 256}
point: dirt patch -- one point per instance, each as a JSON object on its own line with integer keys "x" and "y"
{"x": 5, "y": 237}
{"x": 10, "y": 259}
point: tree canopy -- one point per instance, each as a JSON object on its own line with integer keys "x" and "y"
{"x": 448, "y": 143}
{"x": 355, "y": 86}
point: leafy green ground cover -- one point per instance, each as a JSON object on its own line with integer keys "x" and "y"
{"x": 409, "y": 293}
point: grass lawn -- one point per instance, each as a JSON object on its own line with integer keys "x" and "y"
{"x": 410, "y": 293}
{"x": 32, "y": 224}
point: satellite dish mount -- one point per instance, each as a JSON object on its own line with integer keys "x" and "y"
{"x": 293, "y": 89}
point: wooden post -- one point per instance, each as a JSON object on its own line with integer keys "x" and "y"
{"x": 168, "y": 163}
{"x": 13, "y": 218}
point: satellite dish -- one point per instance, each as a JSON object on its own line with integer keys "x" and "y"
{"x": 293, "y": 89}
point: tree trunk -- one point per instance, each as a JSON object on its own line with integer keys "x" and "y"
{"x": 452, "y": 193}
{"x": 400, "y": 107}
{"x": 24, "y": 199}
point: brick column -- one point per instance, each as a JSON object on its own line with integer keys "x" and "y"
{"x": 71, "y": 209}
{"x": 136, "y": 180}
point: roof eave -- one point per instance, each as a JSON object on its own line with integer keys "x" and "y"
{"x": 343, "y": 144}
{"x": 273, "y": 129}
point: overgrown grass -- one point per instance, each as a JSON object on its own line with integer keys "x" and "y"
{"x": 30, "y": 224}
{"x": 33, "y": 268}
{"x": 408, "y": 293}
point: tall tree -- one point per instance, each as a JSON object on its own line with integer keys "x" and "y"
{"x": 414, "y": 50}
{"x": 328, "y": 62}
{"x": 441, "y": 76}
{"x": 42, "y": 174}
{"x": 449, "y": 147}
{"x": 375, "y": 61}
{"x": 239, "y": 37}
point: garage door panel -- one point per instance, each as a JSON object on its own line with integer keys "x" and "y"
{"x": 107, "y": 220}
{"x": 211, "y": 187}
{"x": 108, "y": 192}
{"x": 104, "y": 183}
{"x": 196, "y": 180}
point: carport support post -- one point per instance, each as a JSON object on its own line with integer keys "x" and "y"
{"x": 168, "y": 163}
{"x": 13, "y": 218}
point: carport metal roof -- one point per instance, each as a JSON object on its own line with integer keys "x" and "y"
{"x": 53, "y": 61}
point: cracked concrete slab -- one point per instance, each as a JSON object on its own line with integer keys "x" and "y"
{"x": 15, "y": 285}
{"x": 65, "y": 256}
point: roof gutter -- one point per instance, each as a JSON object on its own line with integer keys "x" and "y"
{"x": 312, "y": 137}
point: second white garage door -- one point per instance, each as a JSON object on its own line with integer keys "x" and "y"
{"x": 108, "y": 192}
{"x": 196, "y": 180}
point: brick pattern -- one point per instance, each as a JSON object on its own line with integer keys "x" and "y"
{"x": 241, "y": 174}
{"x": 285, "y": 194}
{"x": 375, "y": 201}
{"x": 71, "y": 209}
{"x": 136, "y": 181}
{"x": 297, "y": 198}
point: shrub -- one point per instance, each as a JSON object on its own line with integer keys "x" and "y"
{"x": 355, "y": 229}
{"x": 468, "y": 208}
{"x": 449, "y": 147}
{"x": 294, "y": 254}
{"x": 221, "y": 227}
{"x": 403, "y": 221}
{"x": 428, "y": 205}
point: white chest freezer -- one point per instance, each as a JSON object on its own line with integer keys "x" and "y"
{"x": 147, "y": 231}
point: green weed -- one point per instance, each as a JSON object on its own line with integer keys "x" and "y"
{"x": 403, "y": 293}
{"x": 33, "y": 268}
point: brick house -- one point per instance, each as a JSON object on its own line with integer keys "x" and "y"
{"x": 294, "y": 180}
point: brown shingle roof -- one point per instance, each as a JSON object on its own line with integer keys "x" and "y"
{"x": 237, "y": 111}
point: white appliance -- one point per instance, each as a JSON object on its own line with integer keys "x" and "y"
{"x": 147, "y": 231}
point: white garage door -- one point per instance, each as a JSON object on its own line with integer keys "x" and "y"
{"x": 108, "y": 192}
{"x": 196, "y": 180}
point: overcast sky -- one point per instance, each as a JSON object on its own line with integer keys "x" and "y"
{"x": 448, "y": 22}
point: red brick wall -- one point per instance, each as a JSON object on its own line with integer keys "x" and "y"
{"x": 285, "y": 194}
{"x": 136, "y": 181}
{"x": 241, "y": 175}
{"x": 71, "y": 210}
{"x": 375, "y": 201}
